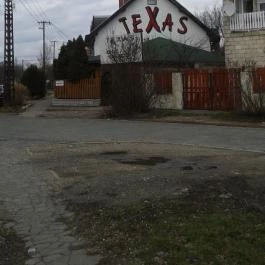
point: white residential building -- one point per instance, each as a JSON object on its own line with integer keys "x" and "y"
{"x": 244, "y": 32}
{"x": 151, "y": 19}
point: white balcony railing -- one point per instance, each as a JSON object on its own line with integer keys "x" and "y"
{"x": 248, "y": 21}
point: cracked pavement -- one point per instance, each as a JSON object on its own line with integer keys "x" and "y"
{"x": 37, "y": 215}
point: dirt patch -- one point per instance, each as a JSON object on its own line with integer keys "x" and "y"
{"x": 168, "y": 205}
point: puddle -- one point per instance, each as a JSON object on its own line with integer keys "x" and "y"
{"x": 150, "y": 161}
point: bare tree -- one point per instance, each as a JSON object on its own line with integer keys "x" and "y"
{"x": 124, "y": 49}
{"x": 213, "y": 18}
{"x": 132, "y": 89}
{"x": 48, "y": 56}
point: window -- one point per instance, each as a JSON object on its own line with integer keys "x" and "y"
{"x": 261, "y": 5}
{"x": 248, "y": 6}
{"x": 238, "y": 6}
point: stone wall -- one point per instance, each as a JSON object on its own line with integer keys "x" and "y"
{"x": 242, "y": 48}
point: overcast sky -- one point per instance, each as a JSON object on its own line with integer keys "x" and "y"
{"x": 69, "y": 17}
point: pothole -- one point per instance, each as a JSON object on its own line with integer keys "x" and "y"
{"x": 112, "y": 153}
{"x": 150, "y": 161}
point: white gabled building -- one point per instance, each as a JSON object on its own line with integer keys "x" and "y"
{"x": 151, "y": 19}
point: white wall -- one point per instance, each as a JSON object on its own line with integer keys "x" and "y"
{"x": 195, "y": 35}
{"x": 173, "y": 100}
{"x": 249, "y": 98}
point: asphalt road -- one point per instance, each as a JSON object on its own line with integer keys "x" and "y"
{"x": 17, "y": 128}
{"x": 25, "y": 188}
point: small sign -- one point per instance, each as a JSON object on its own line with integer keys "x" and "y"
{"x": 1, "y": 89}
{"x": 59, "y": 83}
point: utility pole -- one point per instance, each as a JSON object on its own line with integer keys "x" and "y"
{"x": 9, "y": 69}
{"x": 23, "y": 65}
{"x": 54, "y": 48}
{"x": 43, "y": 28}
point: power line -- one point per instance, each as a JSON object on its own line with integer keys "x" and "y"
{"x": 33, "y": 8}
{"x": 60, "y": 31}
{"x": 28, "y": 10}
{"x": 39, "y": 15}
{"x": 36, "y": 3}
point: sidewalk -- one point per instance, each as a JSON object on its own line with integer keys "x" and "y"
{"x": 37, "y": 107}
{"x": 44, "y": 109}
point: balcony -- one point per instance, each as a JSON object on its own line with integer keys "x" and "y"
{"x": 248, "y": 21}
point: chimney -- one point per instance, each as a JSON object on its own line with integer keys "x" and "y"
{"x": 122, "y": 3}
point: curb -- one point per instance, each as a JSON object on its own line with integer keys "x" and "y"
{"x": 221, "y": 124}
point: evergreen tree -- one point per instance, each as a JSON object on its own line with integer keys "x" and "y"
{"x": 72, "y": 63}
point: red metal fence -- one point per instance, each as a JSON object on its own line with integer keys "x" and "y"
{"x": 216, "y": 89}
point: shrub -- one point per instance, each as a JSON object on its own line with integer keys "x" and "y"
{"x": 21, "y": 94}
{"x": 35, "y": 80}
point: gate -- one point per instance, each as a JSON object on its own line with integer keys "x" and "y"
{"x": 215, "y": 89}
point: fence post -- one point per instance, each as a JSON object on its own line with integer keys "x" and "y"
{"x": 177, "y": 90}
{"x": 211, "y": 88}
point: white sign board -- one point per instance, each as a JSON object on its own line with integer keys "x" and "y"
{"x": 59, "y": 83}
{"x": 1, "y": 89}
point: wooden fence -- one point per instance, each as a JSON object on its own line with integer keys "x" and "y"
{"x": 259, "y": 80}
{"x": 216, "y": 89}
{"x": 83, "y": 89}
{"x": 163, "y": 82}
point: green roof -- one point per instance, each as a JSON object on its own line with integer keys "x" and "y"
{"x": 161, "y": 49}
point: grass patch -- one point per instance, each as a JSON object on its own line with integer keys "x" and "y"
{"x": 215, "y": 115}
{"x": 237, "y": 116}
{"x": 173, "y": 232}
